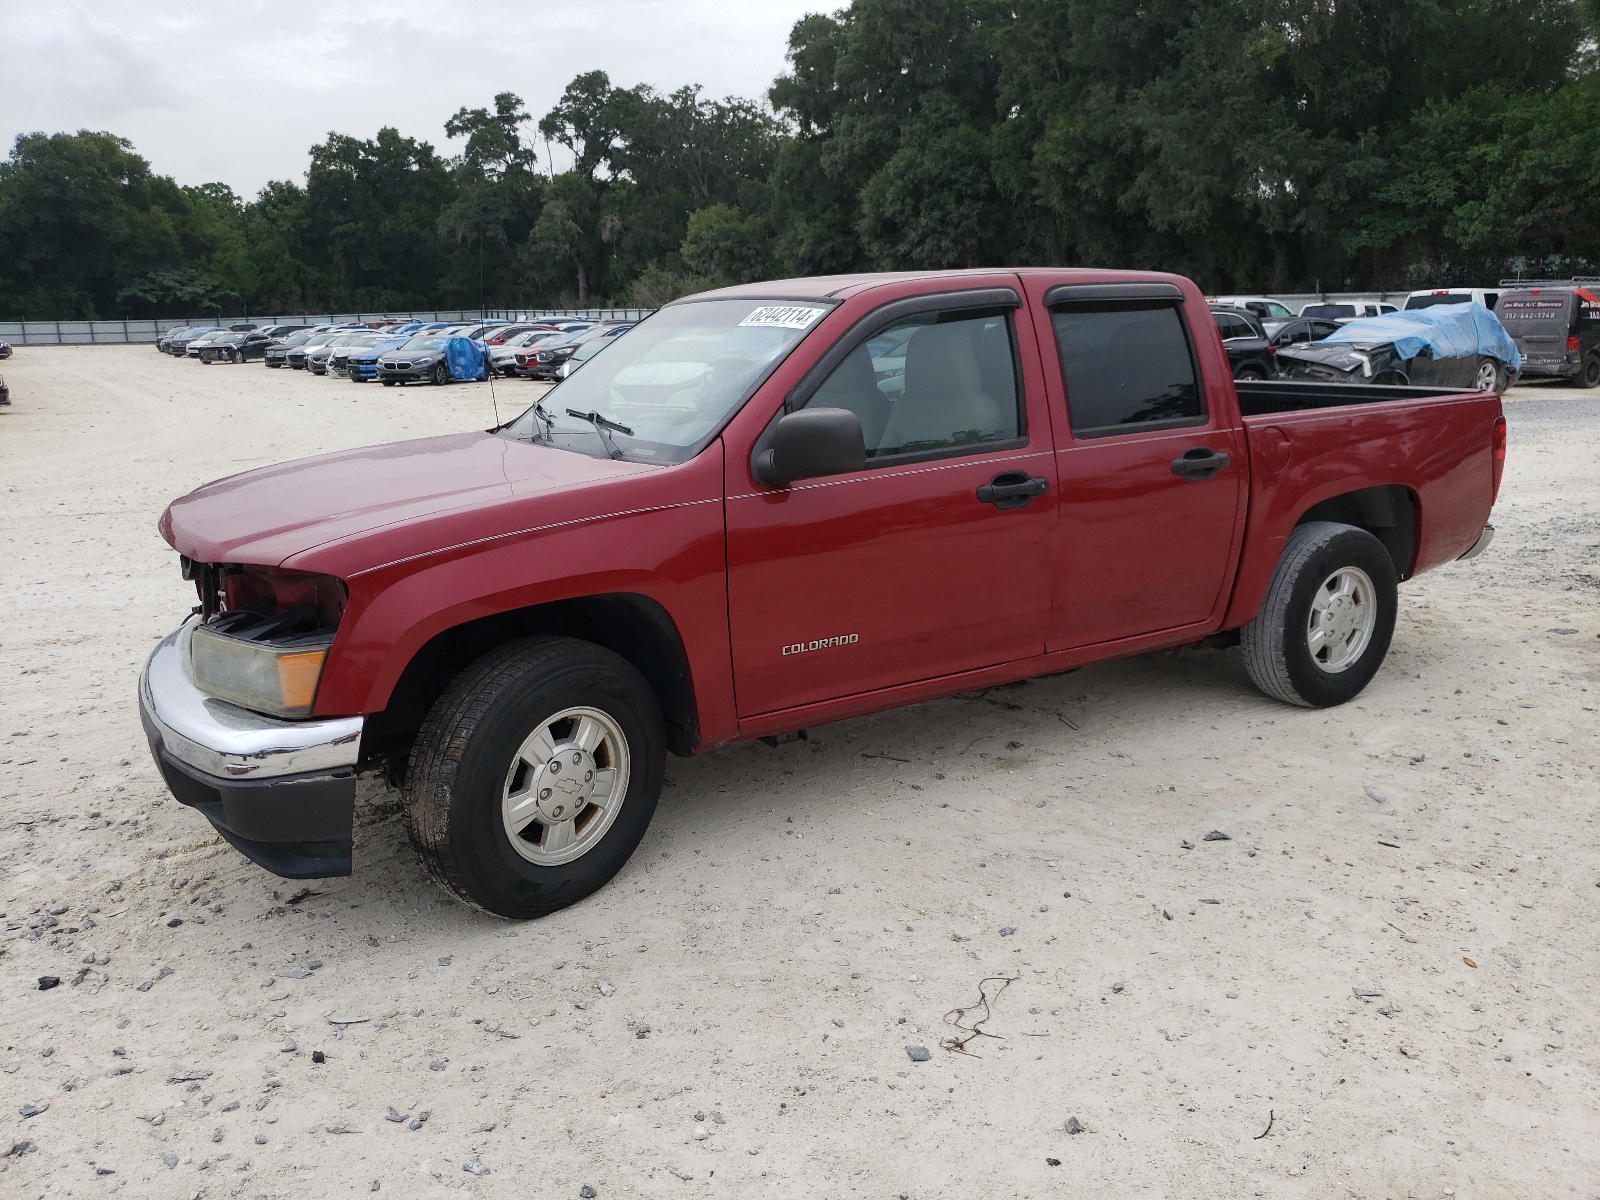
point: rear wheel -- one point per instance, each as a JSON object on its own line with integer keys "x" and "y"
{"x": 1252, "y": 374}
{"x": 535, "y": 776}
{"x": 1590, "y": 375}
{"x": 441, "y": 375}
{"x": 1328, "y": 617}
{"x": 1488, "y": 376}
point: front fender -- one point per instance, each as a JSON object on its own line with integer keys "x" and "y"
{"x": 674, "y": 555}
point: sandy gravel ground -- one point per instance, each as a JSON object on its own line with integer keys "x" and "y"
{"x": 1382, "y": 984}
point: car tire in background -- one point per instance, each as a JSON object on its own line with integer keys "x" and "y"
{"x": 440, "y": 375}
{"x": 535, "y": 775}
{"x": 1325, "y": 625}
{"x": 1487, "y": 378}
{"x": 1250, "y": 375}
{"x": 1589, "y": 376}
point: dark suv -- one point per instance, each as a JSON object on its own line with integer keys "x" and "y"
{"x": 1250, "y": 354}
{"x": 1557, "y": 328}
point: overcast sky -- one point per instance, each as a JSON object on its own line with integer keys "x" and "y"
{"x": 239, "y": 92}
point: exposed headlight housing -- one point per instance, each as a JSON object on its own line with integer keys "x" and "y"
{"x": 265, "y": 650}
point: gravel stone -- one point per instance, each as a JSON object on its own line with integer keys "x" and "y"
{"x": 918, "y": 1053}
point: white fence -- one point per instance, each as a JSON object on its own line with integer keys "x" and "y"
{"x": 87, "y": 333}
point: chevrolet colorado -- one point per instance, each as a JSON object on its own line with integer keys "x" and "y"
{"x": 767, "y": 507}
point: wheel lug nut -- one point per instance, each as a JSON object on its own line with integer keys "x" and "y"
{"x": 577, "y": 757}
{"x": 544, "y": 794}
{"x": 587, "y": 776}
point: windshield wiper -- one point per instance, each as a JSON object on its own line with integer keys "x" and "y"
{"x": 602, "y": 423}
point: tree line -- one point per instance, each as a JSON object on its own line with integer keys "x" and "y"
{"x": 1280, "y": 145}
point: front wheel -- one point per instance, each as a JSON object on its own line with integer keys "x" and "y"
{"x": 535, "y": 775}
{"x": 1325, "y": 625}
{"x": 441, "y": 375}
{"x": 387, "y": 382}
{"x": 1250, "y": 375}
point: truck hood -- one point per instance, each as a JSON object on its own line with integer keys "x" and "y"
{"x": 270, "y": 515}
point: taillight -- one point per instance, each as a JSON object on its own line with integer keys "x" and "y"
{"x": 1572, "y": 345}
{"x": 1497, "y": 457}
{"x": 1272, "y": 350}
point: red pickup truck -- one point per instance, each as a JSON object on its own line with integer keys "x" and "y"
{"x": 767, "y": 507}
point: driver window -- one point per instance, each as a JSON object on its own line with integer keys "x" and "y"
{"x": 936, "y": 381}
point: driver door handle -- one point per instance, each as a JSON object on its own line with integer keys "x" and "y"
{"x": 1012, "y": 489}
{"x": 1200, "y": 463}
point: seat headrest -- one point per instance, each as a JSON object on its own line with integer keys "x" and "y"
{"x": 940, "y": 363}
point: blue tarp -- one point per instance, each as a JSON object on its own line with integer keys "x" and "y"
{"x": 1449, "y": 330}
{"x": 466, "y": 358}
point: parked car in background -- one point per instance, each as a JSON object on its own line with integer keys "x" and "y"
{"x": 1556, "y": 326}
{"x": 504, "y": 359}
{"x": 192, "y": 350}
{"x": 362, "y": 364}
{"x": 1454, "y": 346}
{"x": 277, "y": 351}
{"x": 1432, "y": 297}
{"x": 317, "y": 360}
{"x": 546, "y": 361}
{"x": 178, "y": 345}
{"x": 1250, "y": 355}
{"x": 1263, "y": 308}
{"x": 298, "y": 355}
{"x": 1348, "y": 310}
{"x": 5, "y": 392}
{"x": 164, "y": 338}
{"x": 421, "y": 359}
{"x": 234, "y": 347}
{"x": 343, "y": 353}
{"x": 589, "y": 349}
{"x": 1298, "y": 330}
{"x": 5, "y": 349}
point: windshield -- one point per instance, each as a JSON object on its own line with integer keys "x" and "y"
{"x": 299, "y": 339}
{"x": 1330, "y": 311}
{"x": 425, "y": 341}
{"x": 674, "y": 378}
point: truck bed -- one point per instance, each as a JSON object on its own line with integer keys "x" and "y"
{"x": 1273, "y": 397}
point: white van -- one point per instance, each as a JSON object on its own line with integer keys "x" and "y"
{"x": 1428, "y": 297}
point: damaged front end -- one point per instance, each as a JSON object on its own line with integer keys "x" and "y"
{"x": 1343, "y": 363}
{"x": 226, "y": 701}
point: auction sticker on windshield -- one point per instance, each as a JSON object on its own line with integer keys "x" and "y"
{"x": 783, "y": 316}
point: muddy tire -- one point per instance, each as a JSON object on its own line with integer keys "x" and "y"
{"x": 1325, "y": 625}
{"x": 535, "y": 775}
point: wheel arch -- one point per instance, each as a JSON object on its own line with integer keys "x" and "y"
{"x": 637, "y": 628}
{"x": 1387, "y": 511}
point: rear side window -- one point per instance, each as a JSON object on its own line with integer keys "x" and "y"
{"x": 934, "y": 382}
{"x": 1125, "y": 366}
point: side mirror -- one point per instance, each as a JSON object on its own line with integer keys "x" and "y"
{"x": 811, "y": 443}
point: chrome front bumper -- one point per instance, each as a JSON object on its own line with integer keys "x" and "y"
{"x": 229, "y": 742}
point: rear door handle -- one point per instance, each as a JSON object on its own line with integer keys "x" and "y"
{"x": 1200, "y": 463}
{"x": 1012, "y": 489}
